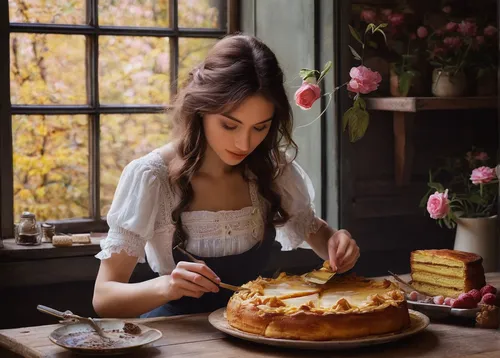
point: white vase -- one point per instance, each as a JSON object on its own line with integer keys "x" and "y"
{"x": 479, "y": 236}
{"x": 446, "y": 84}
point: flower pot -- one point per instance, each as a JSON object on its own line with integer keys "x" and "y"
{"x": 447, "y": 84}
{"x": 487, "y": 85}
{"x": 479, "y": 236}
{"x": 416, "y": 88}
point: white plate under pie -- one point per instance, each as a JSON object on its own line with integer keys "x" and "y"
{"x": 419, "y": 322}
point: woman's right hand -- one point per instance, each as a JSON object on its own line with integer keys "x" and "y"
{"x": 190, "y": 279}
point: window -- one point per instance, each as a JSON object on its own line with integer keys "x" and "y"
{"x": 90, "y": 82}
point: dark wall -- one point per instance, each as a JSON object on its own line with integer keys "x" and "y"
{"x": 386, "y": 219}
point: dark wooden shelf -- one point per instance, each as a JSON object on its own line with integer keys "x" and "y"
{"x": 405, "y": 110}
{"x": 417, "y": 104}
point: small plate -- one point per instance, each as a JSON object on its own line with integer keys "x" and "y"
{"x": 419, "y": 322}
{"x": 441, "y": 311}
{"x": 72, "y": 337}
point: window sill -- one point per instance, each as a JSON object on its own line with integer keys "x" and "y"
{"x": 13, "y": 252}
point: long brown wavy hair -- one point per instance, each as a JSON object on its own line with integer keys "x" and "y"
{"x": 237, "y": 67}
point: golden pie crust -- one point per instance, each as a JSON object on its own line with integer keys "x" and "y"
{"x": 345, "y": 308}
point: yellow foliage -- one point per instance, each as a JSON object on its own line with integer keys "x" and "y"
{"x": 51, "y": 153}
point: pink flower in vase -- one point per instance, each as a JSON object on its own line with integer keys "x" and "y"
{"x": 438, "y": 205}
{"x": 307, "y": 94}
{"x": 480, "y": 40}
{"x": 482, "y": 175}
{"x": 482, "y": 156}
{"x": 451, "y": 26}
{"x": 363, "y": 80}
{"x": 447, "y": 9}
{"x": 396, "y": 19}
{"x": 490, "y": 30}
{"x": 422, "y": 32}
{"x": 368, "y": 16}
{"x": 467, "y": 28}
{"x": 386, "y": 13}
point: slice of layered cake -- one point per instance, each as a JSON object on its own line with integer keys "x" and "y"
{"x": 446, "y": 273}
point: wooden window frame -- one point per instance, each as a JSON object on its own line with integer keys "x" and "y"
{"x": 95, "y": 223}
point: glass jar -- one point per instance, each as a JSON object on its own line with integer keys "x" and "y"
{"x": 48, "y": 231}
{"x": 28, "y": 231}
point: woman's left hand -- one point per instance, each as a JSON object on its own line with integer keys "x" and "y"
{"x": 342, "y": 251}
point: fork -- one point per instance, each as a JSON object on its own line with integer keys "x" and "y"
{"x": 221, "y": 284}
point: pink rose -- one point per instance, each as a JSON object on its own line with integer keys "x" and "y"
{"x": 396, "y": 19}
{"x": 368, "y": 16}
{"x": 490, "y": 30}
{"x": 422, "y": 32}
{"x": 467, "y": 28}
{"x": 482, "y": 156}
{"x": 447, "y": 9}
{"x": 480, "y": 40}
{"x": 452, "y": 42}
{"x": 482, "y": 175}
{"x": 438, "y": 205}
{"x": 307, "y": 94}
{"x": 363, "y": 80}
{"x": 451, "y": 26}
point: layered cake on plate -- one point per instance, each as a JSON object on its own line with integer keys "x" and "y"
{"x": 446, "y": 272}
{"x": 347, "y": 307}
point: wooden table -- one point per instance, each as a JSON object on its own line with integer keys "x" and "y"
{"x": 193, "y": 336}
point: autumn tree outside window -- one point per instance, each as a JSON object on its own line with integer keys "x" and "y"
{"x": 89, "y": 81}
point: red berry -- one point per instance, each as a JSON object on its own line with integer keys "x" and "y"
{"x": 464, "y": 301}
{"x": 448, "y": 301}
{"x": 465, "y": 296}
{"x": 488, "y": 289}
{"x": 475, "y": 294}
{"x": 438, "y": 300}
{"x": 489, "y": 299}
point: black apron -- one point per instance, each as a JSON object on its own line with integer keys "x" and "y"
{"x": 233, "y": 269}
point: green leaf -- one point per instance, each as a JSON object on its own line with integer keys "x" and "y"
{"x": 355, "y": 34}
{"x": 355, "y": 54}
{"x": 404, "y": 83}
{"x": 360, "y": 103}
{"x": 357, "y": 120}
{"x": 373, "y": 44}
{"x": 327, "y": 68}
{"x": 306, "y": 73}
{"x": 370, "y": 27}
{"x": 382, "y": 25}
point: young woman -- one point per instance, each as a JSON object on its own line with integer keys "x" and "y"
{"x": 223, "y": 190}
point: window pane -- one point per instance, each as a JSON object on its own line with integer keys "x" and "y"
{"x": 51, "y": 12}
{"x": 192, "y": 51}
{"x": 202, "y": 13}
{"x": 47, "y": 69}
{"x": 149, "y": 13}
{"x": 134, "y": 70}
{"x": 51, "y": 166}
{"x": 125, "y": 137}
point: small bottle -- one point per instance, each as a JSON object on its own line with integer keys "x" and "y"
{"x": 28, "y": 230}
{"x": 48, "y": 231}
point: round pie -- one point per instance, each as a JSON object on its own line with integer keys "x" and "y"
{"x": 289, "y": 307}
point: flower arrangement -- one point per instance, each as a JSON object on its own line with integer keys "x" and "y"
{"x": 363, "y": 81}
{"x": 404, "y": 43}
{"x": 462, "y": 187}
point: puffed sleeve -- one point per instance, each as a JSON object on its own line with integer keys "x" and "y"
{"x": 132, "y": 215}
{"x": 297, "y": 196}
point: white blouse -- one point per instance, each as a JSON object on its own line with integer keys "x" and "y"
{"x": 140, "y": 217}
